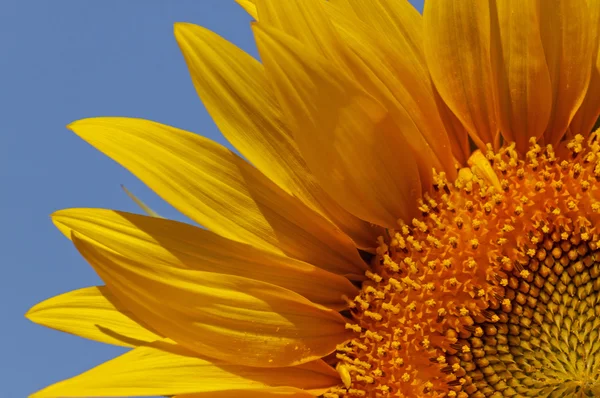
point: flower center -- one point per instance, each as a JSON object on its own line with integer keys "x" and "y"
{"x": 493, "y": 291}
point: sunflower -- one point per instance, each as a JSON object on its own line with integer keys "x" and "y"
{"x": 417, "y": 213}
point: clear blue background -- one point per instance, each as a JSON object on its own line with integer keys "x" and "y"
{"x": 61, "y": 61}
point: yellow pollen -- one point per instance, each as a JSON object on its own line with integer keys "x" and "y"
{"x": 493, "y": 292}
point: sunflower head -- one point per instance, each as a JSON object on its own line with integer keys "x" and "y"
{"x": 493, "y": 290}
{"x": 416, "y": 215}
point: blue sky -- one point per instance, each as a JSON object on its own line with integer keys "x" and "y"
{"x": 64, "y": 60}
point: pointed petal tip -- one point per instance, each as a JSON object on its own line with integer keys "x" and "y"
{"x": 80, "y": 126}
{"x": 57, "y": 215}
{"x": 33, "y": 314}
{"x": 183, "y": 31}
{"x": 179, "y": 28}
{"x": 78, "y": 123}
{"x": 30, "y": 314}
{"x": 70, "y": 125}
{"x": 249, "y": 6}
{"x": 96, "y": 121}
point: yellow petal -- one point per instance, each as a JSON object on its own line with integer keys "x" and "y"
{"x": 185, "y": 246}
{"x": 397, "y": 20}
{"x": 249, "y": 7}
{"x": 396, "y": 30}
{"x": 93, "y": 313}
{"x": 146, "y": 371}
{"x": 233, "y": 87}
{"x": 226, "y": 317}
{"x": 589, "y": 111}
{"x": 457, "y": 134}
{"x": 219, "y": 190}
{"x": 376, "y": 64}
{"x": 392, "y": 72}
{"x": 525, "y": 94}
{"x": 288, "y": 392}
{"x": 459, "y": 55}
{"x": 566, "y": 36}
{"x": 346, "y": 137}
{"x": 306, "y": 21}
{"x": 235, "y": 91}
